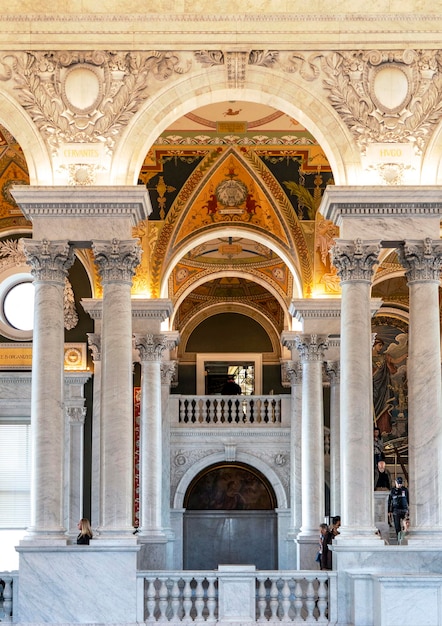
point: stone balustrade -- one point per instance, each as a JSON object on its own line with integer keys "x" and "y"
{"x": 298, "y": 597}
{"x": 230, "y": 410}
{"x": 6, "y": 592}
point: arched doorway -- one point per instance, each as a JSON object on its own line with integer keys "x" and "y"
{"x": 230, "y": 518}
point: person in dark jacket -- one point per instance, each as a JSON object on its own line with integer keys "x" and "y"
{"x": 85, "y": 534}
{"x": 326, "y": 557}
{"x": 230, "y": 387}
{"x": 398, "y": 502}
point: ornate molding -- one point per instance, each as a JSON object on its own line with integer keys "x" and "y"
{"x": 311, "y": 347}
{"x": 49, "y": 260}
{"x": 117, "y": 260}
{"x": 46, "y": 84}
{"x": 355, "y": 261}
{"x": 422, "y": 260}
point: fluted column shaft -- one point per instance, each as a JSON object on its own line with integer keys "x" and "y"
{"x": 423, "y": 261}
{"x": 355, "y": 262}
{"x": 151, "y": 348}
{"x": 116, "y": 262}
{"x": 311, "y": 348}
{"x": 332, "y": 369}
{"x": 50, "y": 262}
{"x": 294, "y": 373}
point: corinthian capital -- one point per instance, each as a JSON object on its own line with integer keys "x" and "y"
{"x": 168, "y": 371}
{"x": 151, "y": 347}
{"x": 49, "y": 260}
{"x": 312, "y": 347}
{"x": 355, "y": 260}
{"x": 117, "y": 260}
{"x": 422, "y": 260}
{"x": 94, "y": 342}
{"x": 293, "y": 371}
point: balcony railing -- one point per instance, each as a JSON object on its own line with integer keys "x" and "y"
{"x": 230, "y": 410}
{"x": 6, "y": 588}
{"x": 298, "y": 597}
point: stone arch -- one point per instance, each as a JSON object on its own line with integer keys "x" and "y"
{"x": 431, "y": 164}
{"x": 287, "y": 92}
{"x": 219, "y": 457}
{"x": 19, "y": 124}
{"x": 227, "y": 231}
{"x": 230, "y": 307}
{"x": 238, "y": 274}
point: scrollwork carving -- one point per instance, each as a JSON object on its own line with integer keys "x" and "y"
{"x": 123, "y": 81}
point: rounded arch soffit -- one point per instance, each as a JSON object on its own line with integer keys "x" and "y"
{"x": 289, "y": 93}
{"x": 226, "y": 231}
{"x": 15, "y": 119}
{"x": 219, "y": 458}
{"x": 233, "y": 274}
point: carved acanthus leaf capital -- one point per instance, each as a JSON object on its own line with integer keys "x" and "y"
{"x": 292, "y": 370}
{"x": 333, "y": 371}
{"x": 94, "y": 342}
{"x": 422, "y": 260}
{"x": 168, "y": 372}
{"x": 355, "y": 260}
{"x": 151, "y": 347}
{"x": 49, "y": 260}
{"x": 117, "y": 260}
{"x": 312, "y": 347}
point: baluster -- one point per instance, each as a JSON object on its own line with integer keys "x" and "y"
{"x": 199, "y": 600}
{"x": 310, "y": 600}
{"x": 187, "y": 600}
{"x": 175, "y": 600}
{"x": 285, "y": 603}
{"x": 274, "y": 600}
{"x": 237, "y": 415}
{"x": 151, "y": 602}
{"x": 211, "y": 599}
{"x": 183, "y": 419}
{"x": 212, "y": 416}
{"x": 205, "y": 420}
{"x": 297, "y": 604}
{"x": 262, "y": 411}
{"x": 277, "y": 411}
{"x": 163, "y": 599}
{"x": 322, "y": 600}
{"x": 220, "y": 411}
{"x": 7, "y": 599}
{"x": 262, "y": 599}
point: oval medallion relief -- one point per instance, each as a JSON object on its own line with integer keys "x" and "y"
{"x": 82, "y": 88}
{"x": 390, "y": 88}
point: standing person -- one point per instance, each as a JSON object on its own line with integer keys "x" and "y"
{"x": 326, "y": 561}
{"x": 378, "y": 446}
{"x": 398, "y": 502}
{"x": 230, "y": 387}
{"x": 382, "y": 478}
{"x": 85, "y": 534}
{"x": 323, "y": 529}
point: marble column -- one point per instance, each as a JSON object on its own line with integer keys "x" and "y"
{"x": 311, "y": 349}
{"x": 94, "y": 341}
{"x": 423, "y": 260}
{"x": 151, "y": 348}
{"x": 50, "y": 261}
{"x": 294, "y": 373}
{"x": 355, "y": 261}
{"x": 168, "y": 369}
{"x": 75, "y": 463}
{"x": 116, "y": 262}
{"x": 332, "y": 369}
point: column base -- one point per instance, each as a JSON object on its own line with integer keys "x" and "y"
{"x": 424, "y": 537}
{"x": 308, "y": 546}
{"x": 153, "y": 553}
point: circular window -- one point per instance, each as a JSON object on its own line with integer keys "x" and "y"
{"x": 18, "y": 306}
